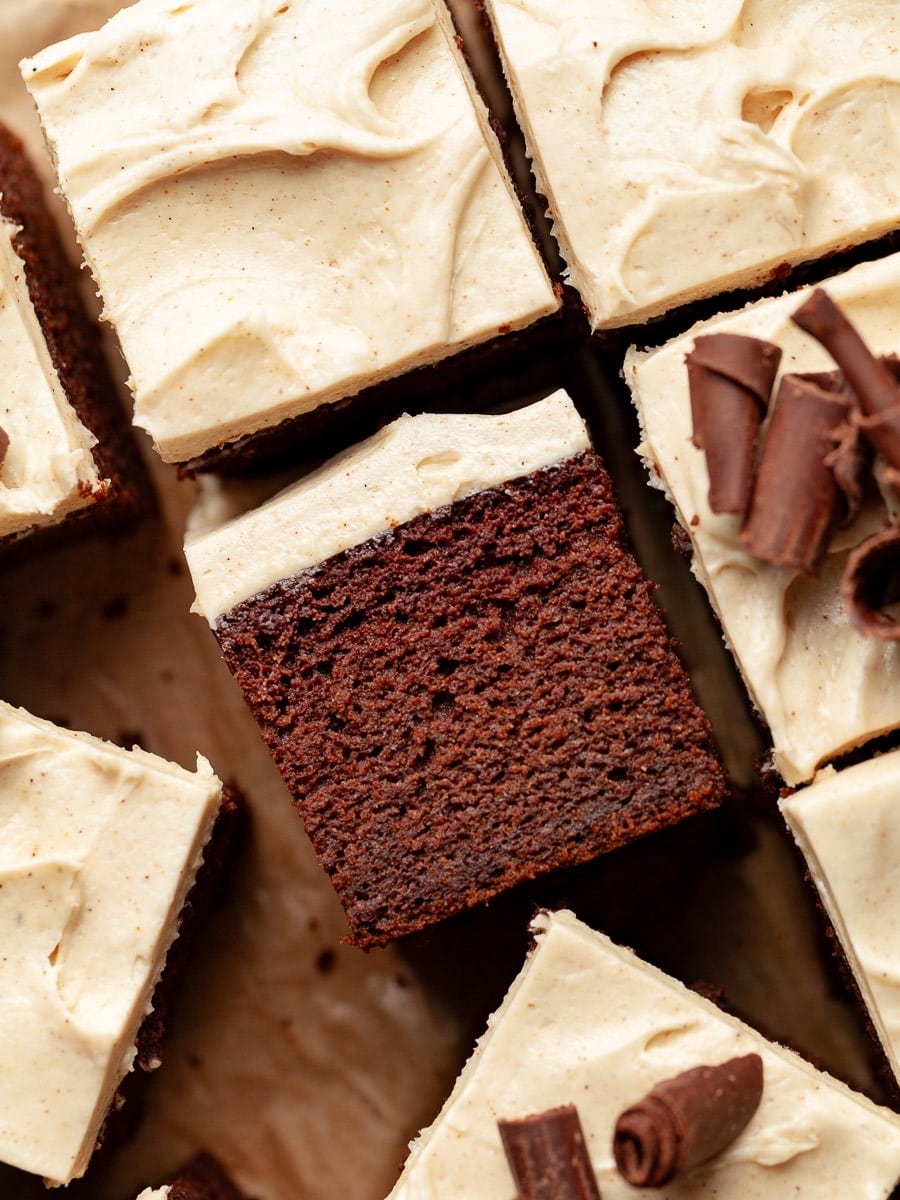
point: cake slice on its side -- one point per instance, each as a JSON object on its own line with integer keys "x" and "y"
{"x": 821, "y": 687}
{"x": 99, "y": 849}
{"x": 66, "y": 449}
{"x": 688, "y": 149}
{"x": 587, "y": 1023}
{"x": 202, "y": 1179}
{"x": 846, "y": 823}
{"x": 334, "y": 210}
{"x": 456, "y": 663}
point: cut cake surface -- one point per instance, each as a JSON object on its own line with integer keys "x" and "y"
{"x": 474, "y": 697}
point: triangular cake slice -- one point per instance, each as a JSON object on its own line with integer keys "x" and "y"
{"x": 587, "y": 1023}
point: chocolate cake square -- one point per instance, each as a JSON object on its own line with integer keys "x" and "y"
{"x": 456, "y": 663}
{"x": 588, "y": 1024}
{"x": 345, "y": 206}
{"x": 820, "y": 685}
{"x": 99, "y": 850}
{"x": 67, "y": 456}
{"x": 846, "y": 825}
{"x": 687, "y": 149}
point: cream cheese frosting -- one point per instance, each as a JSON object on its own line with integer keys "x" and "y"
{"x": 49, "y": 470}
{"x": 690, "y": 146}
{"x": 98, "y": 850}
{"x": 317, "y": 205}
{"x": 588, "y": 1023}
{"x": 154, "y": 1193}
{"x": 846, "y": 823}
{"x": 820, "y": 686}
{"x": 413, "y": 465}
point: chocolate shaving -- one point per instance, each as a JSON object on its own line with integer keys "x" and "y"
{"x": 871, "y": 582}
{"x": 870, "y": 377}
{"x": 548, "y": 1157}
{"x": 796, "y": 500}
{"x": 685, "y": 1121}
{"x": 4, "y": 446}
{"x": 730, "y": 378}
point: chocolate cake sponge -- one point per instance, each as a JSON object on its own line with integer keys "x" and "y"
{"x": 480, "y": 696}
{"x": 75, "y": 349}
{"x": 203, "y": 1179}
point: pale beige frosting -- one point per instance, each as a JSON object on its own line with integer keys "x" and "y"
{"x": 587, "y": 1023}
{"x": 846, "y": 823}
{"x": 413, "y": 465}
{"x": 154, "y": 1194}
{"x": 99, "y": 847}
{"x": 48, "y": 470}
{"x": 315, "y": 207}
{"x": 821, "y": 686}
{"x": 689, "y": 146}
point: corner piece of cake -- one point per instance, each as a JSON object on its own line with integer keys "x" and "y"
{"x": 317, "y": 207}
{"x": 202, "y": 1179}
{"x": 456, "y": 663}
{"x": 99, "y": 850}
{"x": 847, "y": 825}
{"x": 588, "y": 1024}
{"x": 821, "y": 686}
{"x": 690, "y": 148}
{"x": 66, "y": 449}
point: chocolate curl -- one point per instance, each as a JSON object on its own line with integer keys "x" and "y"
{"x": 548, "y": 1157}
{"x": 685, "y": 1121}
{"x": 730, "y": 378}
{"x": 796, "y": 500}
{"x": 871, "y": 378}
{"x": 4, "y": 446}
{"x": 871, "y": 582}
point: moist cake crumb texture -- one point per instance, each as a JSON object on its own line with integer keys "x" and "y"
{"x": 481, "y": 696}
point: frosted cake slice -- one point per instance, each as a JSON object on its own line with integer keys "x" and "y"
{"x": 587, "y": 1023}
{"x": 456, "y": 663}
{"x": 317, "y": 207}
{"x": 66, "y": 450}
{"x": 821, "y": 687}
{"x": 688, "y": 148}
{"x": 99, "y": 848}
{"x": 846, "y": 823}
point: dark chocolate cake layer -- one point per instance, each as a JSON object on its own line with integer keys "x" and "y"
{"x": 203, "y": 1179}
{"x": 74, "y": 345}
{"x": 482, "y": 695}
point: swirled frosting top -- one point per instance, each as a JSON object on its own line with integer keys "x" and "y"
{"x": 99, "y": 847}
{"x": 587, "y": 1023}
{"x": 690, "y": 146}
{"x": 281, "y": 203}
{"x": 48, "y": 470}
{"x": 848, "y": 827}
{"x": 820, "y": 686}
{"x": 412, "y": 466}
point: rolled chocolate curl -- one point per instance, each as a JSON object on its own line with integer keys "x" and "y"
{"x": 796, "y": 500}
{"x": 871, "y": 582}
{"x": 870, "y": 377}
{"x": 548, "y": 1157}
{"x": 687, "y": 1120}
{"x": 730, "y": 378}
